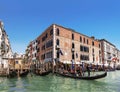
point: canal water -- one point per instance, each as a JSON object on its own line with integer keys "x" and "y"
{"x": 52, "y": 83}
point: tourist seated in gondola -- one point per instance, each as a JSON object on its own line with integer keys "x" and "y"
{"x": 79, "y": 71}
{"x": 65, "y": 72}
{"x": 76, "y": 73}
{"x": 72, "y": 71}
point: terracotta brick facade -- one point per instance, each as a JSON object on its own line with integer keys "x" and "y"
{"x": 42, "y": 48}
{"x": 66, "y": 45}
{"x": 66, "y": 41}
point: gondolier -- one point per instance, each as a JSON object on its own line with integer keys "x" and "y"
{"x": 88, "y": 69}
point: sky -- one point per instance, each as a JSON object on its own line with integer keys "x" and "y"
{"x": 24, "y": 20}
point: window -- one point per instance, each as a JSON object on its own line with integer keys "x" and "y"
{"x": 43, "y": 38}
{"x": 57, "y": 42}
{"x": 84, "y": 40}
{"x": 58, "y": 54}
{"x": 49, "y": 54}
{"x": 57, "y": 32}
{"x": 46, "y": 35}
{"x": 93, "y": 59}
{"x": 43, "y": 47}
{"x": 43, "y": 56}
{"x": 84, "y": 48}
{"x": 38, "y": 41}
{"x": 84, "y": 57}
{"x": 49, "y": 44}
{"x": 72, "y": 36}
{"x": 51, "y": 32}
{"x": 73, "y": 57}
{"x": 92, "y": 43}
{"x": 93, "y": 50}
{"x": 81, "y": 48}
{"x": 87, "y": 41}
{"x": 99, "y": 46}
{"x": 73, "y": 46}
{"x": 80, "y": 39}
{"x": 38, "y": 49}
{"x": 99, "y": 52}
{"x": 16, "y": 62}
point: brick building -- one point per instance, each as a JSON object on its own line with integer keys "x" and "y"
{"x": 62, "y": 44}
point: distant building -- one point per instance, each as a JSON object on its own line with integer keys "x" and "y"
{"x": 110, "y": 54}
{"x": 65, "y": 45}
{"x": 5, "y": 47}
{"x": 118, "y": 56}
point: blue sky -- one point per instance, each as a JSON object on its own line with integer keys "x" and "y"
{"x": 24, "y": 20}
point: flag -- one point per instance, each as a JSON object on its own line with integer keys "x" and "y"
{"x": 76, "y": 55}
{"x": 72, "y": 65}
{"x": 82, "y": 68}
{"x": 61, "y": 52}
{"x": 109, "y": 57}
{"x": 114, "y": 59}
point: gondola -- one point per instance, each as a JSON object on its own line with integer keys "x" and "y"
{"x": 24, "y": 74}
{"x": 43, "y": 73}
{"x": 93, "y": 77}
{"x": 13, "y": 74}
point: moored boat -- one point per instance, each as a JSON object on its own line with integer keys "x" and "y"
{"x": 43, "y": 73}
{"x": 92, "y": 77}
{"x": 23, "y": 74}
{"x": 13, "y": 74}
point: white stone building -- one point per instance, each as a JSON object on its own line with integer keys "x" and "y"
{"x": 34, "y": 50}
{"x": 109, "y": 53}
{"x": 5, "y": 47}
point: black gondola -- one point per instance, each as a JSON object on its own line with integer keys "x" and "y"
{"x": 43, "y": 73}
{"x": 24, "y": 74}
{"x": 13, "y": 74}
{"x": 84, "y": 77}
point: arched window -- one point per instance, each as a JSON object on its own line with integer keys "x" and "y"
{"x": 72, "y": 36}
{"x": 57, "y": 42}
{"x": 73, "y": 46}
{"x": 57, "y": 31}
{"x": 51, "y": 32}
{"x": 58, "y": 54}
{"x": 92, "y": 43}
{"x": 84, "y": 40}
{"x": 80, "y": 39}
{"x": 99, "y": 46}
{"x": 73, "y": 57}
{"x": 87, "y": 41}
{"x": 93, "y": 50}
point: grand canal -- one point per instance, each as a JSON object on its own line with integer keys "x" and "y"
{"x": 52, "y": 83}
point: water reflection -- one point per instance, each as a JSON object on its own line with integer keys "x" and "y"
{"x": 52, "y": 83}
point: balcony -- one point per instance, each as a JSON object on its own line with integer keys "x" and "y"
{"x": 73, "y": 49}
{"x": 57, "y": 47}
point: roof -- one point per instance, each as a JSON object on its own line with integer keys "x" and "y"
{"x": 92, "y": 37}
{"x": 107, "y": 42}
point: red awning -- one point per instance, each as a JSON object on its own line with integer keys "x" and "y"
{"x": 114, "y": 59}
